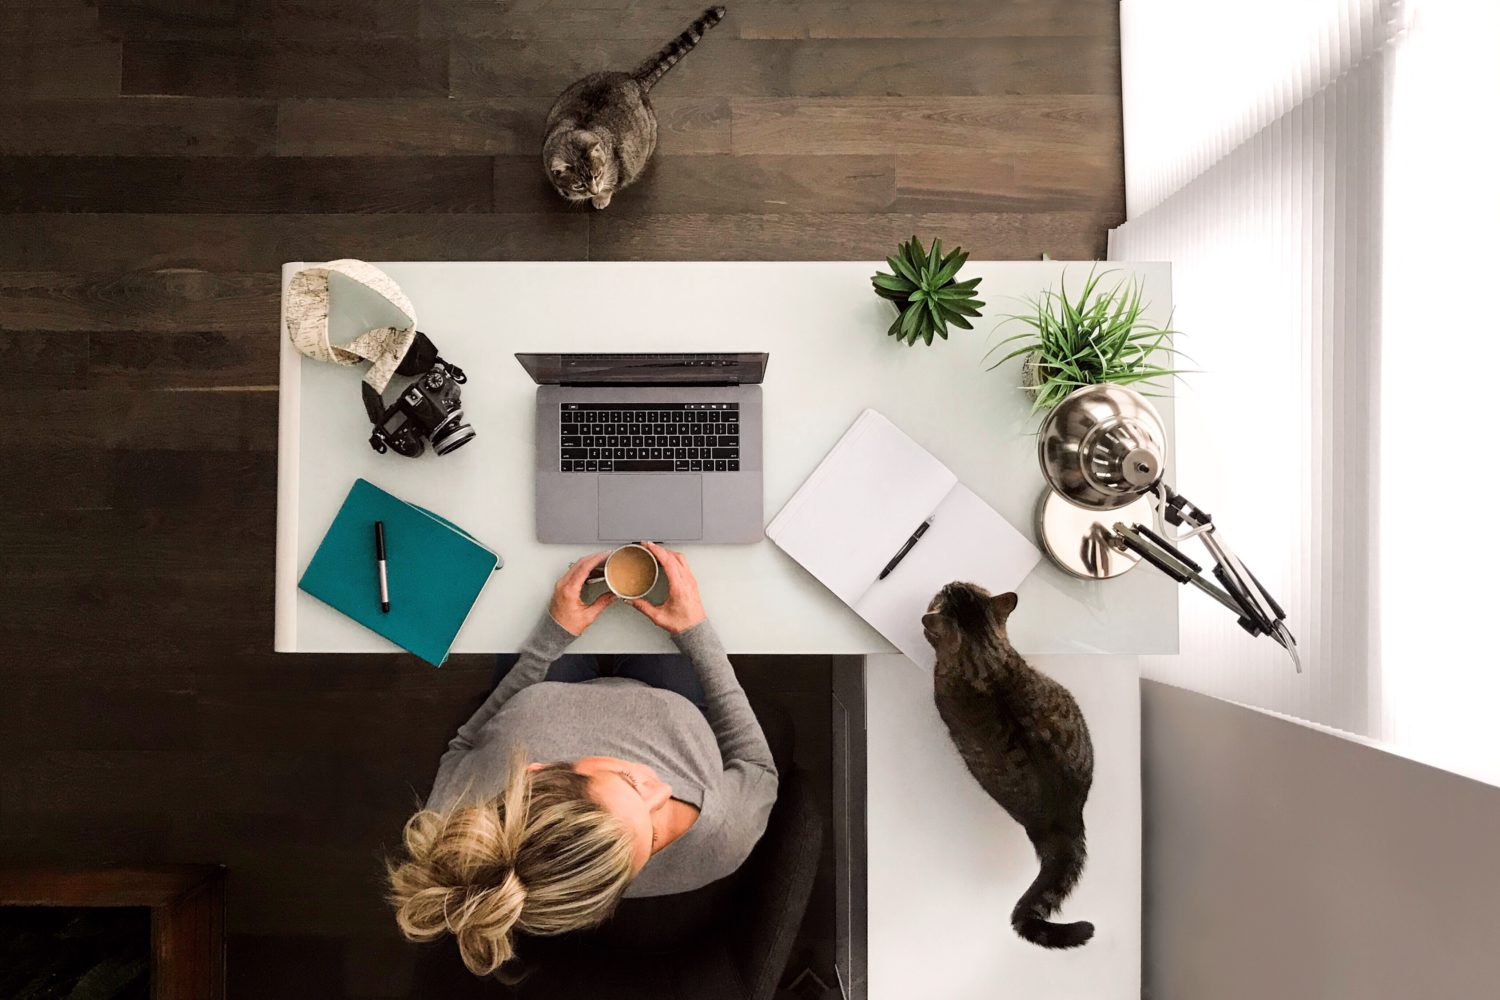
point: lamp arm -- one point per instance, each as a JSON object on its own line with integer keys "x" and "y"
{"x": 1170, "y": 561}
{"x": 1238, "y": 589}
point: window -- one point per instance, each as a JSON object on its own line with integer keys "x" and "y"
{"x": 1318, "y": 174}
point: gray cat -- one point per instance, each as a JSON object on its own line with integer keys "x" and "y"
{"x": 1024, "y": 739}
{"x": 601, "y": 131}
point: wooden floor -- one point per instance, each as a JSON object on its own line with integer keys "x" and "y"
{"x": 159, "y": 160}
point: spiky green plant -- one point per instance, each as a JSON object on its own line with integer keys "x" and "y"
{"x": 1093, "y": 338}
{"x": 927, "y": 297}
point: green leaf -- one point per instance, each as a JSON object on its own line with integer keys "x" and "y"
{"x": 1028, "y": 344}
{"x": 893, "y": 282}
{"x": 947, "y": 315}
{"x": 901, "y": 267}
{"x": 1030, "y": 321}
{"x": 1022, "y": 352}
{"x": 909, "y": 321}
{"x": 1070, "y": 316}
{"x": 915, "y": 256}
{"x": 1147, "y": 373}
{"x": 1089, "y": 286}
{"x": 936, "y": 314}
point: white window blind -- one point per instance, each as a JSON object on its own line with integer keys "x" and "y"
{"x": 1326, "y": 192}
{"x": 1200, "y": 77}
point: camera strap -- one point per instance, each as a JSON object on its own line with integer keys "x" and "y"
{"x": 347, "y": 312}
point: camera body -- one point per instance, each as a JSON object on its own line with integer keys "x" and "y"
{"x": 430, "y": 408}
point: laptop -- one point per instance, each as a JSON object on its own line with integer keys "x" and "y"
{"x": 665, "y": 447}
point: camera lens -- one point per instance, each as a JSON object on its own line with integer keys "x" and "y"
{"x": 452, "y": 433}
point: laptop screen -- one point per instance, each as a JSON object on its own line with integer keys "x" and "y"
{"x": 645, "y": 369}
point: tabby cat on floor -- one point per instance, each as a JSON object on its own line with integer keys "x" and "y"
{"x": 601, "y": 131}
{"x": 1023, "y": 738}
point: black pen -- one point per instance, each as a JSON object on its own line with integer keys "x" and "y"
{"x": 385, "y": 595}
{"x": 921, "y": 530}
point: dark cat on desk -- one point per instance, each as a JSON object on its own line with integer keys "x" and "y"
{"x": 601, "y": 131}
{"x": 1022, "y": 736}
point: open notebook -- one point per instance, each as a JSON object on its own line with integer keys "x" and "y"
{"x": 861, "y": 505}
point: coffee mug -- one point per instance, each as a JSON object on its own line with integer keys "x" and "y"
{"x": 629, "y": 572}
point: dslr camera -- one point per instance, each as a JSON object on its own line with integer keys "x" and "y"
{"x": 429, "y": 408}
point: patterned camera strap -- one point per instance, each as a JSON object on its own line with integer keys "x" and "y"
{"x": 306, "y": 306}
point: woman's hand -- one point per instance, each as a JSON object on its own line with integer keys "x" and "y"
{"x": 567, "y": 607}
{"x": 684, "y": 608}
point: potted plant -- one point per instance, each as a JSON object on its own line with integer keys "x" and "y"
{"x": 923, "y": 284}
{"x": 1097, "y": 337}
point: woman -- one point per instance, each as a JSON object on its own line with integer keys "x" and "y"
{"x": 567, "y": 790}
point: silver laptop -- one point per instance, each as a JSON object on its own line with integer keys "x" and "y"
{"x": 665, "y": 447}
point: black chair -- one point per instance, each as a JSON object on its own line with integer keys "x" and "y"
{"x": 726, "y": 941}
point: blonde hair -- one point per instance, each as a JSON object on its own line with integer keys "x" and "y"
{"x": 542, "y": 858}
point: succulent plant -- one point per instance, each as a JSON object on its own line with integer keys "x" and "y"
{"x": 1099, "y": 336}
{"x": 927, "y": 297}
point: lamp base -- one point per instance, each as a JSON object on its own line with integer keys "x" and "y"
{"x": 1082, "y": 542}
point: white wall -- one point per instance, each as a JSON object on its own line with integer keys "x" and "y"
{"x": 1285, "y": 862}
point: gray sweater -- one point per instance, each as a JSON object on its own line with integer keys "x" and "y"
{"x": 722, "y": 764}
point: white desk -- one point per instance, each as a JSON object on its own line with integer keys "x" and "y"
{"x": 945, "y": 863}
{"x": 830, "y": 358}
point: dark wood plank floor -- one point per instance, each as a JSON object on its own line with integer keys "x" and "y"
{"x": 159, "y": 160}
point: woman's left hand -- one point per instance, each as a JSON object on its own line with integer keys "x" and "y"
{"x": 567, "y": 607}
{"x": 683, "y": 608}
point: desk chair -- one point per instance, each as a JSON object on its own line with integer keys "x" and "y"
{"x": 729, "y": 940}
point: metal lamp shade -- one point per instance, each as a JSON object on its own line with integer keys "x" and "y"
{"x": 1102, "y": 447}
{"x": 1101, "y": 450}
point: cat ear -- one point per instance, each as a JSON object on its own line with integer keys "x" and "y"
{"x": 1003, "y": 605}
{"x": 941, "y": 632}
{"x": 559, "y": 167}
{"x": 597, "y": 160}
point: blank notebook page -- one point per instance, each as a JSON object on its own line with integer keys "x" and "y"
{"x": 969, "y": 542}
{"x": 858, "y": 508}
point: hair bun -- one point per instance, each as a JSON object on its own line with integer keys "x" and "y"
{"x": 483, "y": 923}
{"x": 461, "y": 872}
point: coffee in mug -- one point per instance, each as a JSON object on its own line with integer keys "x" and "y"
{"x": 631, "y": 571}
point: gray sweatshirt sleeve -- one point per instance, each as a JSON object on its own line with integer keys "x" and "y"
{"x": 741, "y": 742}
{"x": 548, "y": 641}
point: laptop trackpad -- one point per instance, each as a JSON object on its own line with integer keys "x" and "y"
{"x": 650, "y": 507}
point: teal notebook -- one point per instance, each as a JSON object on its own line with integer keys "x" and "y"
{"x": 434, "y": 569}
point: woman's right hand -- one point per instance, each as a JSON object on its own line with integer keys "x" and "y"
{"x": 567, "y": 607}
{"x": 683, "y": 608}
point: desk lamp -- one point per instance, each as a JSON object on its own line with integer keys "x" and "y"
{"x": 1102, "y": 451}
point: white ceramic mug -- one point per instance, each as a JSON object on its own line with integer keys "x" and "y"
{"x": 604, "y": 572}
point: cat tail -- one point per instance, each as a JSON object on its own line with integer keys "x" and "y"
{"x": 656, "y": 67}
{"x": 1062, "y": 855}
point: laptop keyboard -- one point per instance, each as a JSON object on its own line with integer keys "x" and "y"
{"x": 650, "y": 437}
